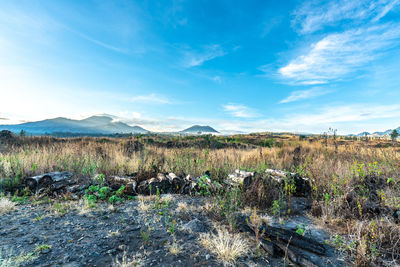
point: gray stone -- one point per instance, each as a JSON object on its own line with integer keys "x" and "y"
{"x": 195, "y": 226}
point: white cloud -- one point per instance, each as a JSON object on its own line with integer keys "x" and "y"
{"x": 313, "y": 16}
{"x": 304, "y": 94}
{"x": 339, "y": 54}
{"x": 240, "y": 111}
{"x": 151, "y": 98}
{"x": 347, "y": 113}
{"x": 193, "y": 59}
{"x": 217, "y": 79}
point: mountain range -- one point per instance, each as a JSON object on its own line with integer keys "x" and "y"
{"x": 91, "y": 125}
{"x": 94, "y": 125}
{"x": 385, "y": 133}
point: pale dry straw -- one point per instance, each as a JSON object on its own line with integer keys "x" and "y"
{"x": 6, "y": 205}
{"x": 228, "y": 247}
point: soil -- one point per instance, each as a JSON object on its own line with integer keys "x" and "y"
{"x": 103, "y": 234}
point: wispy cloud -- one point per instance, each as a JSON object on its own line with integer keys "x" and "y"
{"x": 240, "y": 111}
{"x": 339, "y": 54}
{"x": 217, "y": 79}
{"x": 151, "y": 98}
{"x": 197, "y": 58}
{"x": 97, "y": 42}
{"x": 304, "y": 94}
{"x": 315, "y": 15}
{"x": 348, "y": 113}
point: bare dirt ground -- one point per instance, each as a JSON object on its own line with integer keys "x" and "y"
{"x": 68, "y": 234}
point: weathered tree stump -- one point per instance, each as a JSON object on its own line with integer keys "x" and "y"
{"x": 129, "y": 182}
{"x": 241, "y": 177}
{"x": 51, "y": 180}
{"x": 302, "y": 184}
{"x": 300, "y": 250}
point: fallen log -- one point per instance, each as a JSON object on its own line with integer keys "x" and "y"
{"x": 129, "y": 182}
{"x": 52, "y": 180}
{"x": 300, "y": 250}
{"x": 241, "y": 177}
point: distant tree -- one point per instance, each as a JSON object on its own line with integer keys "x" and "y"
{"x": 22, "y": 133}
{"x": 394, "y": 134}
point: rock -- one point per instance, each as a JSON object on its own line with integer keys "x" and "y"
{"x": 195, "y": 226}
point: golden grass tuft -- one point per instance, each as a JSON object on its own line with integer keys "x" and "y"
{"x": 6, "y": 205}
{"x": 228, "y": 247}
{"x": 182, "y": 207}
{"x": 175, "y": 248}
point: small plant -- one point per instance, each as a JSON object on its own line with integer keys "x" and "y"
{"x": 301, "y": 230}
{"x": 43, "y": 247}
{"x": 60, "y": 208}
{"x": 120, "y": 191}
{"x": 341, "y": 244}
{"x": 276, "y": 208}
{"x": 101, "y": 178}
{"x": 38, "y": 218}
{"x": 113, "y": 199}
{"x": 34, "y": 167}
{"x": 171, "y": 228}
{"x": 228, "y": 204}
{"x": 255, "y": 223}
{"x": 18, "y": 199}
{"x": 204, "y": 186}
{"x": 146, "y": 235}
{"x": 391, "y": 180}
{"x": 93, "y": 188}
{"x": 103, "y": 192}
{"x": 327, "y": 198}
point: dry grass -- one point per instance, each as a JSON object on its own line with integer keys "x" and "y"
{"x": 124, "y": 262}
{"x": 6, "y": 205}
{"x": 182, "y": 207}
{"x": 228, "y": 247}
{"x": 175, "y": 248}
{"x": 341, "y": 194}
{"x": 83, "y": 207}
{"x": 145, "y": 202}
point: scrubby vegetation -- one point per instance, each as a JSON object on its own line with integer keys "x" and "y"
{"x": 355, "y": 183}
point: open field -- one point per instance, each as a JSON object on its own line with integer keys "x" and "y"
{"x": 354, "y": 196}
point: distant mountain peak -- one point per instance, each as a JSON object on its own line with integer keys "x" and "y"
{"x": 199, "y": 129}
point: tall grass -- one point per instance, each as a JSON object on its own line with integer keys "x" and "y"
{"x": 346, "y": 175}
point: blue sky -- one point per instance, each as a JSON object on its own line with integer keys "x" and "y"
{"x": 299, "y": 66}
